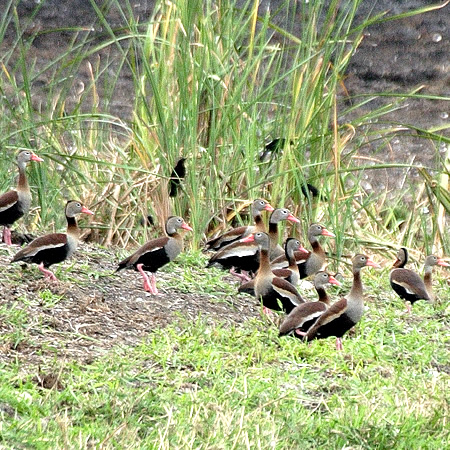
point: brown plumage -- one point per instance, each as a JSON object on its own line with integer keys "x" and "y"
{"x": 303, "y": 316}
{"x": 346, "y": 312}
{"x": 55, "y": 247}
{"x": 274, "y": 292}
{"x": 244, "y": 255}
{"x": 16, "y": 203}
{"x": 407, "y": 284}
{"x": 308, "y": 263}
{"x": 258, "y": 206}
{"x": 289, "y": 273}
{"x": 157, "y": 253}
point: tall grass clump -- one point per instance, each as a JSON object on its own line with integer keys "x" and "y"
{"x": 212, "y": 82}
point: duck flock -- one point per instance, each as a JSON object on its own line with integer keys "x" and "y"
{"x": 267, "y": 271}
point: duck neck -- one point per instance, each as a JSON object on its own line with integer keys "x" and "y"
{"x": 177, "y": 236}
{"x": 399, "y": 264}
{"x": 72, "y": 227}
{"x": 290, "y": 257}
{"x": 22, "y": 184}
{"x": 316, "y": 247}
{"x": 273, "y": 234}
{"x": 428, "y": 280}
{"x": 264, "y": 262}
{"x": 356, "y": 292}
{"x": 323, "y": 296}
{"x": 259, "y": 223}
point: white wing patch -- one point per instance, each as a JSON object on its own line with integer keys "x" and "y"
{"x": 4, "y": 208}
{"x": 30, "y": 251}
{"x": 405, "y": 286}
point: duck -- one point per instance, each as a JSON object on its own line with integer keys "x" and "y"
{"x": 176, "y": 176}
{"x": 15, "y": 204}
{"x": 346, "y": 312}
{"x": 407, "y": 284}
{"x": 309, "y": 263}
{"x": 156, "y": 253}
{"x": 275, "y": 293}
{"x": 258, "y": 206}
{"x": 303, "y": 316}
{"x": 54, "y": 248}
{"x": 244, "y": 255}
{"x": 289, "y": 273}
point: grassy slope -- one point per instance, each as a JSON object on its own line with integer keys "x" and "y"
{"x": 194, "y": 385}
{"x": 191, "y": 385}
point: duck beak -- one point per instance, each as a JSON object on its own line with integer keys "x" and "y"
{"x": 395, "y": 262}
{"x": 373, "y": 264}
{"x": 441, "y": 262}
{"x": 269, "y": 207}
{"x": 185, "y": 226}
{"x": 249, "y": 238}
{"x": 292, "y": 218}
{"x": 333, "y": 280}
{"x": 86, "y": 211}
{"x": 325, "y": 232}
{"x": 36, "y": 158}
{"x": 302, "y": 249}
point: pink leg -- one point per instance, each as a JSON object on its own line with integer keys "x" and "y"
{"x": 154, "y": 288}
{"x": 47, "y": 273}
{"x": 268, "y": 312}
{"x": 408, "y": 307}
{"x": 147, "y": 285}
{"x": 300, "y": 333}
{"x": 339, "y": 346}
{"x": 243, "y": 276}
{"x": 7, "y": 236}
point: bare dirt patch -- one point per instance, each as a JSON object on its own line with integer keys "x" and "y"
{"x": 94, "y": 309}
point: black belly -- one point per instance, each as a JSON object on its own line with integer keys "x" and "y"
{"x": 249, "y": 263}
{"x": 152, "y": 261}
{"x": 306, "y": 326}
{"x": 49, "y": 256}
{"x": 302, "y": 269}
{"x": 405, "y": 295}
{"x": 274, "y": 301}
{"x": 337, "y": 327}
{"x": 10, "y": 215}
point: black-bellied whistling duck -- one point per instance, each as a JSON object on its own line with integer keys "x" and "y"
{"x": 55, "y": 247}
{"x": 308, "y": 263}
{"x": 275, "y": 218}
{"x": 303, "y": 316}
{"x": 289, "y": 273}
{"x": 407, "y": 284}
{"x": 258, "y": 206}
{"x": 14, "y": 204}
{"x": 346, "y": 312}
{"x": 157, "y": 253}
{"x": 270, "y": 289}
{"x": 176, "y": 176}
{"x": 244, "y": 256}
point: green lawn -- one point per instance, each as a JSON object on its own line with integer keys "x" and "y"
{"x": 198, "y": 385}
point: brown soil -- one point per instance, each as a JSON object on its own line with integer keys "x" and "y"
{"x": 98, "y": 308}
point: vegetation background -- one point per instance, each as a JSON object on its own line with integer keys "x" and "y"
{"x": 111, "y": 94}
